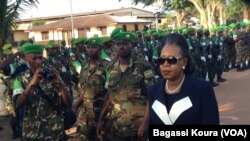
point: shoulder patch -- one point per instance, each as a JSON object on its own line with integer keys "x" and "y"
{"x": 148, "y": 73}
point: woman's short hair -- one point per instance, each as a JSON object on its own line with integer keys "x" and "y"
{"x": 181, "y": 42}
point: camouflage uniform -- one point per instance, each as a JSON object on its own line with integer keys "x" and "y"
{"x": 219, "y": 52}
{"x": 212, "y": 53}
{"x": 92, "y": 86}
{"x": 195, "y": 51}
{"x": 127, "y": 93}
{"x": 239, "y": 46}
{"x": 228, "y": 43}
{"x": 15, "y": 113}
{"x": 41, "y": 122}
{"x": 204, "y": 46}
{"x": 62, "y": 66}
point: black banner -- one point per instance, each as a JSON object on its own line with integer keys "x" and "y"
{"x": 211, "y": 132}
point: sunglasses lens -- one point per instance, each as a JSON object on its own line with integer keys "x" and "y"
{"x": 161, "y": 61}
{"x": 171, "y": 61}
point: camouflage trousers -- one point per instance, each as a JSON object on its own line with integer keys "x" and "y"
{"x": 239, "y": 54}
{"x": 211, "y": 66}
{"x": 219, "y": 67}
{"x": 232, "y": 55}
{"x": 87, "y": 133}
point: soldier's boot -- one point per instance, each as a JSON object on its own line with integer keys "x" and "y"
{"x": 214, "y": 84}
{"x": 220, "y": 79}
{"x": 1, "y": 128}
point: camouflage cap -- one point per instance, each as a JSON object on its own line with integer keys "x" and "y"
{"x": 6, "y": 46}
{"x": 125, "y": 36}
{"x": 7, "y": 52}
{"x": 32, "y": 48}
{"x": 94, "y": 41}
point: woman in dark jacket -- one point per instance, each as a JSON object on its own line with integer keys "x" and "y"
{"x": 179, "y": 98}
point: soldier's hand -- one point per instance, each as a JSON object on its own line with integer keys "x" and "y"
{"x": 57, "y": 76}
{"x": 36, "y": 77}
{"x": 99, "y": 129}
{"x": 210, "y": 56}
{"x": 142, "y": 129}
{"x": 203, "y": 58}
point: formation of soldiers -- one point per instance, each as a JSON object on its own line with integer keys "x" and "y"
{"x": 110, "y": 81}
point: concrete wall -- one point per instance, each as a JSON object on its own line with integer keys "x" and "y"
{"x": 20, "y": 35}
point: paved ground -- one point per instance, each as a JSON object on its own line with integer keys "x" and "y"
{"x": 232, "y": 96}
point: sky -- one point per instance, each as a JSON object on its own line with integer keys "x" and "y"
{"x": 61, "y": 7}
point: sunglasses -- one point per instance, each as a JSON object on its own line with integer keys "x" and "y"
{"x": 172, "y": 60}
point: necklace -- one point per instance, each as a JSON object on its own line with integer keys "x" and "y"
{"x": 174, "y": 91}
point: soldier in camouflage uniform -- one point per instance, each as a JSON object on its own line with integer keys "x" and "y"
{"x": 41, "y": 121}
{"x": 240, "y": 44}
{"x": 219, "y": 51}
{"x": 54, "y": 58}
{"x": 10, "y": 67}
{"x": 127, "y": 85}
{"x": 204, "y": 45}
{"x": 195, "y": 51}
{"x": 212, "y": 54}
{"x": 228, "y": 43}
{"x": 92, "y": 91}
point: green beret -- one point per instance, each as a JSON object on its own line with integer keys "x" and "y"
{"x": 7, "y": 52}
{"x": 7, "y": 46}
{"x": 185, "y": 31}
{"x": 94, "y": 41}
{"x": 105, "y": 39}
{"x": 242, "y": 24}
{"x": 125, "y": 36}
{"x": 115, "y": 31}
{"x": 79, "y": 40}
{"x": 212, "y": 29}
{"x": 175, "y": 30}
{"x": 50, "y": 44}
{"x": 32, "y": 48}
{"x": 199, "y": 30}
{"x": 191, "y": 29}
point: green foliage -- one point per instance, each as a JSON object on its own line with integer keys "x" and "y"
{"x": 38, "y": 22}
{"x": 234, "y": 9}
{"x": 179, "y": 4}
{"x": 9, "y": 14}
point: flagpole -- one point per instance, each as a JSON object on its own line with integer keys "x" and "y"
{"x": 72, "y": 21}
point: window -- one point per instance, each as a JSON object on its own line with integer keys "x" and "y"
{"x": 87, "y": 29}
{"x": 45, "y": 35}
{"x": 159, "y": 20}
{"x": 103, "y": 29}
{"x": 124, "y": 27}
{"x": 82, "y": 32}
{"x": 136, "y": 27}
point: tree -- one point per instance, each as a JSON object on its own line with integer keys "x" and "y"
{"x": 182, "y": 8}
{"x": 9, "y": 14}
{"x": 38, "y": 22}
{"x": 234, "y": 10}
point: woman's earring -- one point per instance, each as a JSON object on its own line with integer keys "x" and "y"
{"x": 183, "y": 67}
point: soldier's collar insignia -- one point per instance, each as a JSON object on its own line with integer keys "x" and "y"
{"x": 127, "y": 36}
{"x": 93, "y": 41}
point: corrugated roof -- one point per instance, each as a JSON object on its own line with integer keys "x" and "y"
{"x": 79, "y": 22}
{"x": 85, "y": 14}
